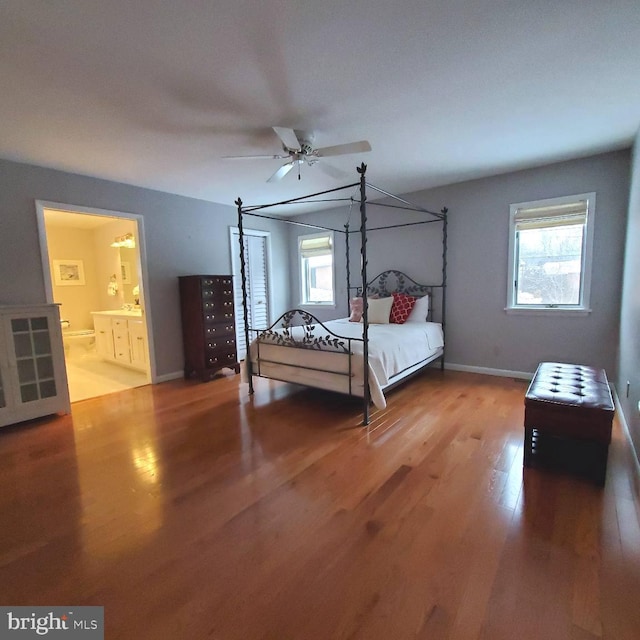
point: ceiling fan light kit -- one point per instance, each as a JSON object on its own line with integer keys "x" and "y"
{"x": 302, "y": 151}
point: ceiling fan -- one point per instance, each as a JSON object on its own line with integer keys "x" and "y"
{"x": 299, "y": 151}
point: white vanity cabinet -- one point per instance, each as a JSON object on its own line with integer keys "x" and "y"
{"x": 121, "y": 341}
{"x": 121, "y": 338}
{"x": 104, "y": 336}
{"x": 33, "y": 378}
{"x": 138, "y": 343}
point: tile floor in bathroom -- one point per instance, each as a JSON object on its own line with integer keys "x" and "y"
{"x": 89, "y": 376}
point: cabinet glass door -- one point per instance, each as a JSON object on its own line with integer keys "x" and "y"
{"x": 34, "y": 359}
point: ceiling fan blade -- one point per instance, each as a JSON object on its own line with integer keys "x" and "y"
{"x": 281, "y": 172}
{"x": 342, "y": 149}
{"x": 265, "y": 157}
{"x": 332, "y": 171}
{"x": 288, "y": 137}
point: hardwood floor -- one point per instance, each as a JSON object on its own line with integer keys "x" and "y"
{"x": 190, "y": 511}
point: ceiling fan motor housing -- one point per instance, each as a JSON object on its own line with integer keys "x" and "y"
{"x": 306, "y": 149}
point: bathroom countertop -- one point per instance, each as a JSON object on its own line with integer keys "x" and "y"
{"x": 126, "y": 313}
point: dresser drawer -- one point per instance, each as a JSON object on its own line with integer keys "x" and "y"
{"x": 213, "y": 317}
{"x": 216, "y": 281}
{"x": 218, "y": 359}
{"x": 220, "y": 290}
{"x": 218, "y": 330}
{"x": 219, "y": 343}
{"x": 217, "y": 305}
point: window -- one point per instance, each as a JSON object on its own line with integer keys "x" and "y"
{"x": 316, "y": 268}
{"x": 550, "y": 245}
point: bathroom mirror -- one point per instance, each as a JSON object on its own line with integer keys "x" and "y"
{"x": 129, "y": 270}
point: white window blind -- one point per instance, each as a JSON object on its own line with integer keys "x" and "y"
{"x": 552, "y": 216}
{"x": 316, "y": 246}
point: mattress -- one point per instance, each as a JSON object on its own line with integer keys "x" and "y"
{"x": 395, "y": 350}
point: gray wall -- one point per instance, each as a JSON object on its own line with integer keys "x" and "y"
{"x": 479, "y": 331}
{"x": 182, "y": 236}
{"x": 630, "y": 312}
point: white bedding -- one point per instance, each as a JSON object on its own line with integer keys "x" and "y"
{"x": 394, "y": 351}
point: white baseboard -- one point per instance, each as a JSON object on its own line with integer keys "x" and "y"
{"x": 633, "y": 453}
{"x": 503, "y": 373}
{"x": 165, "y": 377}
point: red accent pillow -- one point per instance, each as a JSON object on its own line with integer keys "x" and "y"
{"x": 401, "y": 308}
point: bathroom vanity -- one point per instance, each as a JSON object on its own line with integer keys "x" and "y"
{"x": 121, "y": 337}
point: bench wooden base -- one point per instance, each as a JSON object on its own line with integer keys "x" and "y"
{"x": 579, "y": 457}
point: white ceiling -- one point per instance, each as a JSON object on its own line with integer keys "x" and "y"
{"x": 154, "y": 93}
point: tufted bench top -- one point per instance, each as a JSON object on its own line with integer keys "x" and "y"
{"x": 570, "y": 400}
{"x": 570, "y": 385}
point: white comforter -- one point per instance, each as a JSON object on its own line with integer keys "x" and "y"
{"x": 393, "y": 349}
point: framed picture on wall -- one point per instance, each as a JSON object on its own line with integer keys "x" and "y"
{"x": 68, "y": 272}
{"x": 126, "y": 272}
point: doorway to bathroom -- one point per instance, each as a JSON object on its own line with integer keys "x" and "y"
{"x": 94, "y": 271}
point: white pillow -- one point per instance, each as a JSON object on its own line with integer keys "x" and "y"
{"x": 420, "y": 310}
{"x": 379, "y": 310}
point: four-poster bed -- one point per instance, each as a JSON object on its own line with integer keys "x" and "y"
{"x": 335, "y": 355}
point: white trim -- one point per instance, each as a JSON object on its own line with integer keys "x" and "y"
{"x": 41, "y": 205}
{"x": 503, "y": 373}
{"x": 264, "y": 234}
{"x": 327, "y": 304}
{"x": 234, "y": 250}
{"x": 315, "y": 305}
{"x": 633, "y": 453}
{"x": 585, "y": 289}
{"x": 546, "y": 311}
{"x": 167, "y": 377}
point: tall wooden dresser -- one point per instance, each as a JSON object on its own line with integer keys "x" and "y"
{"x": 208, "y": 325}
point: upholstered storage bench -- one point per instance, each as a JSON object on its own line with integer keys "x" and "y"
{"x": 568, "y": 414}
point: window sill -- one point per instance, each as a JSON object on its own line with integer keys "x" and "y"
{"x": 546, "y": 311}
{"x": 313, "y": 305}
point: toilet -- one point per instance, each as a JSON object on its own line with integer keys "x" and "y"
{"x": 77, "y": 343}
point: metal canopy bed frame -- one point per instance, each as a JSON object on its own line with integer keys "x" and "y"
{"x": 300, "y": 329}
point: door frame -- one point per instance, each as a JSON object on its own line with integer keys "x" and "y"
{"x": 234, "y": 247}
{"x": 41, "y": 205}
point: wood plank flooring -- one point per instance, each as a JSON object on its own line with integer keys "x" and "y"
{"x": 191, "y": 511}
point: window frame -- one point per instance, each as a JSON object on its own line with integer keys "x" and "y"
{"x": 583, "y": 306}
{"x": 301, "y": 270}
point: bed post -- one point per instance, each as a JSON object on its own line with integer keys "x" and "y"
{"x": 365, "y": 305}
{"x": 243, "y": 274}
{"x": 444, "y": 212}
{"x": 346, "y": 239}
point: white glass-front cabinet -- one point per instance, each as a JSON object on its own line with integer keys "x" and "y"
{"x": 33, "y": 378}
